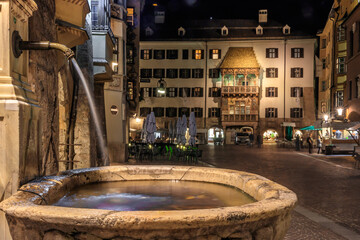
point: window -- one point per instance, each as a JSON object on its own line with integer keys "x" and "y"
{"x": 159, "y": 73}
{"x": 145, "y": 73}
{"x": 214, "y": 92}
{"x": 341, "y": 33}
{"x": 156, "y": 93}
{"x": 296, "y": 112}
{"x": 259, "y": 30}
{"x": 184, "y": 111}
{"x": 214, "y": 73}
{"x": 198, "y": 112}
{"x": 323, "y": 43}
{"x": 339, "y": 95}
{"x": 323, "y": 107}
{"x": 130, "y": 58}
{"x": 184, "y": 92}
{"x": 172, "y": 54}
{"x": 323, "y": 86}
{"x": 297, "y": 52}
{"x": 198, "y": 54}
{"x": 159, "y": 54}
{"x": 341, "y": 66}
{"x": 296, "y": 92}
{"x": 145, "y": 92}
{"x": 171, "y": 92}
{"x": 181, "y": 31}
{"x": 297, "y": 72}
{"x": 94, "y": 12}
{"x": 271, "y": 112}
{"x": 197, "y": 92}
{"x": 185, "y": 73}
{"x": 271, "y": 92}
{"x": 271, "y": 72}
{"x": 214, "y": 112}
{"x": 215, "y": 54}
{"x": 130, "y": 16}
{"x": 171, "y": 112}
{"x": 145, "y": 111}
{"x": 116, "y": 56}
{"x": 146, "y": 54}
{"x": 323, "y": 63}
{"x": 272, "y": 53}
{"x": 158, "y": 111}
{"x": 171, "y": 73}
{"x": 185, "y": 54}
{"x": 198, "y": 73}
{"x": 224, "y": 31}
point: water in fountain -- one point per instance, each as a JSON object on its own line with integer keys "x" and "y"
{"x": 93, "y": 112}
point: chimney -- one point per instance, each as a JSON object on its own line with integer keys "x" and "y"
{"x": 263, "y": 16}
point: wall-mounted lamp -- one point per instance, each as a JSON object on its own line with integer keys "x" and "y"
{"x": 137, "y": 120}
{"x": 326, "y": 117}
{"x": 161, "y": 86}
{"x": 340, "y": 111}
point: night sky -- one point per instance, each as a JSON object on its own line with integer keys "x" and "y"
{"x": 306, "y": 15}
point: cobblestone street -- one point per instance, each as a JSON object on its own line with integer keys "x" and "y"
{"x": 327, "y": 186}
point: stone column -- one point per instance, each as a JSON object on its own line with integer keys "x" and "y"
{"x": 19, "y": 122}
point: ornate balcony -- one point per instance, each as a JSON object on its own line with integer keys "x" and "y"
{"x": 239, "y": 118}
{"x": 228, "y": 91}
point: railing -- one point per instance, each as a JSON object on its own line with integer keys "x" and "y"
{"x": 240, "y": 90}
{"x": 239, "y": 118}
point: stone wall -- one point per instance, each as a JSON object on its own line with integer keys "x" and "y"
{"x": 43, "y": 77}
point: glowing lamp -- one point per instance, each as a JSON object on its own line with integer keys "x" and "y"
{"x": 340, "y": 111}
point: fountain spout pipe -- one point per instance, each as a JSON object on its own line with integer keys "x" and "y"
{"x": 46, "y": 45}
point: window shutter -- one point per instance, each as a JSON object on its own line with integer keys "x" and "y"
{"x": 218, "y": 112}
{"x": 301, "y": 52}
{"x": 154, "y": 92}
{"x": 210, "y": 54}
{"x": 301, "y": 72}
{"x": 291, "y": 112}
{"x": 201, "y": 112}
{"x": 142, "y": 54}
{"x": 192, "y": 73}
{"x": 210, "y": 92}
{"x": 202, "y": 54}
{"x": 266, "y": 112}
{"x": 276, "y": 92}
{"x": 276, "y": 72}
{"x": 167, "y": 92}
{"x": 276, "y": 113}
{"x": 301, "y": 92}
{"x": 201, "y": 73}
{"x": 142, "y": 92}
{"x": 301, "y": 112}
{"x": 167, "y": 112}
{"x": 267, "y": 72}
{"x": 219, "y": 53}
{"x": 267, "y": 53}
{"x": 209, "y": 112}
{"x": 192, "y": 92}
{"x": 150, "y": 54}
{"x": 266, "y": 92}
{"x": 201, "y": 92}
{"x": 180, "y": 92}
{"x": 276, "y": 52}
{"x": 292, "y": 53}
{"x": 292, "y": 72}
{"x": 150, "y": 92}
{"x": 193, "y": 54}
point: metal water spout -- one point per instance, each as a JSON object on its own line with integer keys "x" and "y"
{"x": 18, "y": 45}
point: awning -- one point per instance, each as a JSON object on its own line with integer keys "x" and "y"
{"x": 240, "y": 57}
{"x": 354, "y": 128}
{"x": 310, "y": 128}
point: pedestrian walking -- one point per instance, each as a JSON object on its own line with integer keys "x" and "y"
{"x": 319, "y": 144}
{"x": 310, "y": 143}
{"x": 251, "y": 138}
{"x": 297, "y": 143}
{"x": 259, "y": 140}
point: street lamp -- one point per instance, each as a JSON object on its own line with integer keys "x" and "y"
{"x": 340, "y": 111}
{"x": 161, "y": 86}
{"x": 326, "y": 118}
{"x": 137, "y": 120}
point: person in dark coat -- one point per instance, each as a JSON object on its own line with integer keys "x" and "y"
{"x": 297, "y": 143}
{"x": 251, "y": 138}
{"x": 310, "y": 143}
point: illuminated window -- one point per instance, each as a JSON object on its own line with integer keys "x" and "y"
{"x": 198, "y": 54}
{"x": 197, "y": 92}
{"x": 215, "y": 54}
{"x": 146, "y": 54}
{"x": 323, "y": 107}
{"x": 130, "y": 16}
{"x": 341, "y": 66}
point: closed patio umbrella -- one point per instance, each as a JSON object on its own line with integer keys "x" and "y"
{"x": 183, "y": 129}
{"x": 171, "y": 129}
{"x": 178, "y": 130}
{"x": 143, "y": 130}
{"x": 192, "y": 129}
{"x": 151, "y": 128}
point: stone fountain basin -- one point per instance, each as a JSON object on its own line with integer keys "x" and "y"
{"x": 31, "y": 217}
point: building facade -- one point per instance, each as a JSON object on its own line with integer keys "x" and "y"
{"x": 352, "y": 87}
{"x": 239, "y": 75}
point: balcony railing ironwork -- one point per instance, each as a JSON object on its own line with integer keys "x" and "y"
{"x": 239, "y": 118}
{"x": 238, "y": 90}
